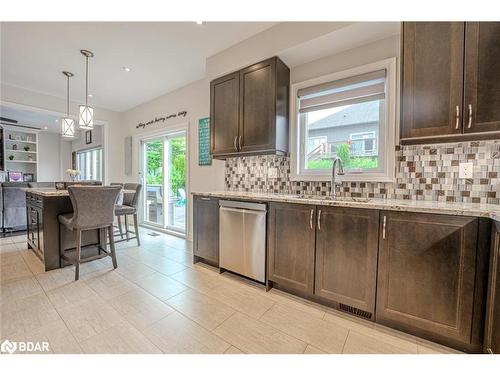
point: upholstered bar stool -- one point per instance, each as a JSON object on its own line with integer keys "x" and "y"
{"x": 129, "y": 207}
{"x": 93, "y": 208}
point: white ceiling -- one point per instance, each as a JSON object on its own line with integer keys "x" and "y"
{"x": 162, "y": 55}
{"x": 351, "y": 36}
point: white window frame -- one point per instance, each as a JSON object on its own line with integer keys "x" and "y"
{"x": 386, "y": 134}
{"x": 88, "y": 167}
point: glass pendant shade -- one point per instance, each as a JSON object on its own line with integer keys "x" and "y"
{"x": 68, "y": 127}
{"x": 86, "y": 118}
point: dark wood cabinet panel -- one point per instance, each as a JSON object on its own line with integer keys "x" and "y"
{"x": 492, "y": 329}
{"x": 257, "y": 107}
{"x": 251, "y": 117}
{"x": 206, "y": 229}
{"x": 482, "y": 77}
{"x": 224, "y": 114}
{"x": 346, "y": 256}
{"x": 291, "y": 245}
{"x": 432, "y": 78}
{"x": 426, "y": 275}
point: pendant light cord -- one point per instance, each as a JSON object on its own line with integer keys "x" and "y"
{"x": 67, "y": 98}
{"x": 86, "y": 80}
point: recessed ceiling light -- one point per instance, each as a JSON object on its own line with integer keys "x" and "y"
{"x": 45, "y": 127}
{"x": 127, "y": 69}
{"x": 57, "y": 120}
{"x": 90, "y": 95}
{"x": 199, "y": 22}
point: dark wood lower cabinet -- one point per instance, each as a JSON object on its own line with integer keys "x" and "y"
{"x": 492, "y": 329}
{"x": 291, "y": 241}
{"x": 206, "y": 230}
{"x": 426, "y": 276}
{"x": 346, "y": 258}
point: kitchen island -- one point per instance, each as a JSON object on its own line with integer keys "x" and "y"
{"x": 43, "y": 206}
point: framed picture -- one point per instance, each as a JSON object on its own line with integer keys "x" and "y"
{"x": 28, "y": 177}
{"x": 15, "y": 176}
{"x": 88, "y": 137}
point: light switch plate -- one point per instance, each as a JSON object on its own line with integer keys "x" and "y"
{"x": 272, "y": 173}
{"x": 465, "y": 170}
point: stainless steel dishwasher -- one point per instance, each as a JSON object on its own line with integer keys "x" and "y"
{"x": 242, "y": 238}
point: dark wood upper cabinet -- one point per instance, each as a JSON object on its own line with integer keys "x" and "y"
{"x": 482, "y": 77}
{"x": 426, "y": 276}
{"x": 492, "y": 330}
{"x": 206, "y": 229}
{"x": 450, "y": 81}
{"x": 346, "y": 258}
{"x": 250, "y": 116}
{"x": 291, "y": 242}
{"x": 224, "y": 113}
{"x": 432, "y": 81}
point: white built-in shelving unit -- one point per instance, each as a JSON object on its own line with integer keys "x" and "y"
{"x": 20, "y": 146}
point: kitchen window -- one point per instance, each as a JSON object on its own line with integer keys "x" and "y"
{"x": 89, "y": 163}
{"x": 350, "y": 115}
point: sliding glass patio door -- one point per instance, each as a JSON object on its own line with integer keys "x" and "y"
{"x": 164, "y": 175}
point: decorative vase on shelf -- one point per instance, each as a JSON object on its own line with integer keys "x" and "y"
{"x": 11, "y": 157}
{"x": 14, "y": 146}
{"x": 30, "y": 158}
{"x": 26, "y": 148}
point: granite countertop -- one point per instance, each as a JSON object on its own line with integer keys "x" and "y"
{"x": 49, "y": 192}
{"x": 462, "y": 209}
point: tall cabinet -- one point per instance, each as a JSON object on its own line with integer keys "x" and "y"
{"x": 450, "y": 81}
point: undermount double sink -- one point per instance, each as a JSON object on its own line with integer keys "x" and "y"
{"x": 330, "y": 198}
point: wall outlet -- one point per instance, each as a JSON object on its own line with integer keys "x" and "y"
{"x": 465, "y": 170}
{"x": 272, "y": 173}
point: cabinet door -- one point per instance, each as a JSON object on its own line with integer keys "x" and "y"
{"x": 258, "y": 107}
{"x": 206, "y": 229}
{"x": 291, "y": 232}
{"x": 482, "y": 77}
{"x": 427, "y": 265}
{"x": 433, "y": 54}
{"x": 224, "y": 102}
{"x": 492, "y": 330}
{"x": 346, "y": 256}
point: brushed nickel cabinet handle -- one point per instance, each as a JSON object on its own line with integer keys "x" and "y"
{"x": 319, "y": 220}
{"x": 457, "y": 117}
{"x": 239, "y": 142}
{"x": 205, "y": 198}
{"x": 383, "y": 227}
{"x": 311, "y": 219}
{"x": 470, "y": 117}
{"x": 235, "y": 146}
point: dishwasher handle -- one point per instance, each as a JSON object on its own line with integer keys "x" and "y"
{"x": 241, "y": 210}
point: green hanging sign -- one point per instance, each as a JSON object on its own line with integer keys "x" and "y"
{"x": 204, "y": 156}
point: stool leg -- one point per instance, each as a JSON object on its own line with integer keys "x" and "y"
{"x": 126, "y": 228}
{"x": 112, "y": 246}
{"x": 78, "y": 251}
{"x": 119, "y": 218}
{"x": 136, "y": 226}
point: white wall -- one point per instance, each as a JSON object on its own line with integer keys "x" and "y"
{"x": 49, "y": 157}
{"x": 97, "y": 139}
{"x": 193, "y": 98}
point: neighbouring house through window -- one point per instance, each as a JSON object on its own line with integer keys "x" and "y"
{"x": 89, "y": 163}
{"x": 349, "y": 115}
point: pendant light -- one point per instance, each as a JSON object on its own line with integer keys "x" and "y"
{"x": 86, "y": 118}
{"x": 67, "y": 123}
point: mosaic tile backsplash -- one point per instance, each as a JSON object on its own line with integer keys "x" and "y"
{"x": 423, "y": 172}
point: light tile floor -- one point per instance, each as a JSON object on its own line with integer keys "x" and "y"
{"x": 157, "y": 301}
